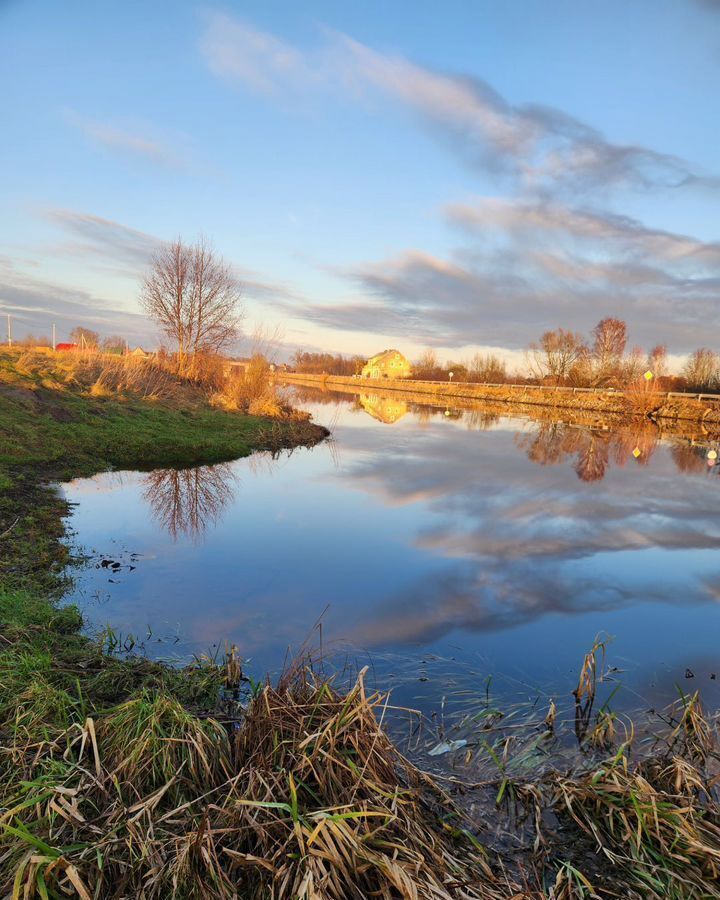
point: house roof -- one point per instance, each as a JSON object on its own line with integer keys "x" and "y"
{"x": 382, "y": 355}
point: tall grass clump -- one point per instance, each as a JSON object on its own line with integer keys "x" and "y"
{"x": 304, "y": 798}
{"x": 253, "y": 391}
{"x": 657, "y": 823}
{"x": 127, "y": 375}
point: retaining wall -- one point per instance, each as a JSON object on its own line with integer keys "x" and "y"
{"x": 668, "y": 405}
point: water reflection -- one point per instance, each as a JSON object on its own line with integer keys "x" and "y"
{"x": 385, "y": 409}
{"x": 590, "y": 447}
{"x": 591, "y": 450}
{"x": 513, "y": 538}
{"x": 515, "y": 544}
{"x": 189, "y": 501}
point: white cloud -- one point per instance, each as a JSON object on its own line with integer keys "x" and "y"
{"x": 543, "y": 149}
{"x": 124, "y": 140}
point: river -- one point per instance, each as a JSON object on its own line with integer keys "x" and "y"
{"x": 447, "y": 549}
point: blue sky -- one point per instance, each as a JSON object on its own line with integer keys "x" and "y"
{"x": 460, "y": 175}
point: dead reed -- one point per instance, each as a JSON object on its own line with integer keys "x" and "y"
{"x": 307, "y": 798}
{"x": 253, "y": 390}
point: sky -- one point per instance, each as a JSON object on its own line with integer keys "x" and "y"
{"x": 461, "y": 176}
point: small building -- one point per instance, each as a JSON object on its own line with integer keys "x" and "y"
{"x": 139, "y": 353}
{"x": 388, "y": 364}
{"x": 65, "y": 348}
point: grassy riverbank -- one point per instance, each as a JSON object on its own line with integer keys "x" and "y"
{"x": 121, "y": 777}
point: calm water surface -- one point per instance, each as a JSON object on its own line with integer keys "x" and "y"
{"x": 436, "y": 545}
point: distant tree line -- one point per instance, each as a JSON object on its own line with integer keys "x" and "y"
{"x": 327, "y": 363}
{"x": 483, "y": 367}
{"x": 567, "y": 358}
{"x": 83, "y": 337}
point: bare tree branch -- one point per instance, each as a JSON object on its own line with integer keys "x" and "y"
{"x": 193, "y": 296}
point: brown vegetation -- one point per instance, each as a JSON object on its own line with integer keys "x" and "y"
{"x": 253, "y": 390}
{"x": 327, "y": 363}
{"x": 303, "y": 796}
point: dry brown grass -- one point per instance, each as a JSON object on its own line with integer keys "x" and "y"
{"x": 307, "y": 799}
{"x": 253, "y": 391}
{"x": 97, "y": 374}
{"x": 654, "y": 822}
{"x": 643, "y": 397}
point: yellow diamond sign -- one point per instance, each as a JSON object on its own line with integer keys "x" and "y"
{"x": 648, "y": 375}
{"x": 637, "y": 452}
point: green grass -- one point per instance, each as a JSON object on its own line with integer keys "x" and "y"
{"x": 94, "y": 434}
{"x": 54, "y": 429}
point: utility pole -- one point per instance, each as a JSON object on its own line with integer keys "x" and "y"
{"x": 9, "y": 330}
{"x": 53, "y": 335}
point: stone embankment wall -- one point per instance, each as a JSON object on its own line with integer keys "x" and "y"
{"x": 658, "y": 405}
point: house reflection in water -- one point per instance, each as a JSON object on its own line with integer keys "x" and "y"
{"x": 189, "y": 501}
{"x": 385, "y": 409}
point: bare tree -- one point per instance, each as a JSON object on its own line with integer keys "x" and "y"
{"x": 556, "y": 354}
{"x": 609, "y": 340}
{"x": 657, "y": 361}
{"x": 702, "y": 370}
{"x": 86, "y": 337}
{"x": 32, "y": 341}
{"x": 193, "y": 296}
{"x": 427, "y": 366}
{"x": 633, "y": 365}
{"x": 487, "y": 368}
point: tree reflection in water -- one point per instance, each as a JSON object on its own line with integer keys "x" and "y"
{"x": 189, "y": 501}
{"x": 551, "y": 443}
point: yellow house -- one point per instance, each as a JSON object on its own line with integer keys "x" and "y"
{"x": 388, "y": 364}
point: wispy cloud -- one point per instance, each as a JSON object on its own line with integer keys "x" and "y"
{"x": 524, "y": 267}
{"x": 36, "y": 303}
{"x": 236, "y": 50}
{"x": 542, "y": 148}
{"x": 549, "y": 221}
{"x": 123, "y": 140}
{"x": 128, "y": 251}
{"x": 105, "y": 240}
